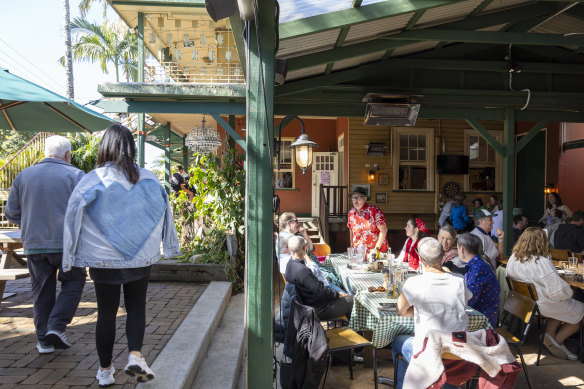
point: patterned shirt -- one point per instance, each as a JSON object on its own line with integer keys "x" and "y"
{"x": 481, "y": 281}
{"x": 364, "y": 224}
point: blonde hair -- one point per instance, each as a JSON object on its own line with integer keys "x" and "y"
{"x": 285, "y": 218}
{"x": 533, "y": 243}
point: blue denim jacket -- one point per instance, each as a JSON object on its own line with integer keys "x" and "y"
{"x": 111, "y": 223}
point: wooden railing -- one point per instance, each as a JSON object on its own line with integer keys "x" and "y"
{"x": 333, "y": 203}
{"x": 27, "y": 156}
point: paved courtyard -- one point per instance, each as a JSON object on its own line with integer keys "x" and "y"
{"x": 22, "y": 366}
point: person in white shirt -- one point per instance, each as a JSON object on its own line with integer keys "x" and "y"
{"x": 289, "y": 226}
{"x": 436, "y": 299}
{"x": 483, "y": 226}
{"x": 530, "y": 263}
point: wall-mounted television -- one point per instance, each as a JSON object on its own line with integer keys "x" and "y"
{"x": 452, "y": 164}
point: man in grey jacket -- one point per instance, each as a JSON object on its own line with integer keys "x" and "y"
{"x": 38, "y": 202}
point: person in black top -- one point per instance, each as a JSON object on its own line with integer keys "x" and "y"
{"x": 519, "y": 225}
{"x": 571, "y": 236}
{"x": 177, "y": 179}
{"x": 328, "y": 303}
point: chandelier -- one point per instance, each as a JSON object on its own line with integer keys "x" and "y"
{"x": 203, "y": 140}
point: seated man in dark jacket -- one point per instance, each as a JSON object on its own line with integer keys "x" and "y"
{"x": 571, "y": 236}
{"x": 327, "y": 302}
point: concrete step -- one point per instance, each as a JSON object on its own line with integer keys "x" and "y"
{"x": 176, "y": 365}
{"x": 222, "y": 364}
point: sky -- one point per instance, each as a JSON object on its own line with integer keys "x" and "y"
{"x": 31, "y": 43}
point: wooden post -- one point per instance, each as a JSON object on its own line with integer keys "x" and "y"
{"x": 508, "y": 178}
{"x": 259, "y": 240}
{"x": 140, "y": 140}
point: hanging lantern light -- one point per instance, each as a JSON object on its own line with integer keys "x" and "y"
{"x": 203, "y": 140}
{"x": 302, "y": 146}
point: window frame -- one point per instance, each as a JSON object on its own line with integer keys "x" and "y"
{"x": 498, "y": 164}
{"x": 292, "y": 169}
{"x": 429, "y": 164}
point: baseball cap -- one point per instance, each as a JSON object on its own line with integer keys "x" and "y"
{"x": 482, "y": 213}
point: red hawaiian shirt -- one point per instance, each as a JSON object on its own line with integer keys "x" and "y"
{"x": 364, "y": 224}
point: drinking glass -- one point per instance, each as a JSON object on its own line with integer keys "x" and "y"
{"x": 572, "y": 262}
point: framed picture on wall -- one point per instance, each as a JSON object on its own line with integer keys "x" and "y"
{"x": 383, "y": 179}
{"x": 364, "y": 187}
{"x": 381, "y": 198}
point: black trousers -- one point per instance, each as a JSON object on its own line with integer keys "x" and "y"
{"x": 108, "y": 301}
{"x": 51, "y": 312}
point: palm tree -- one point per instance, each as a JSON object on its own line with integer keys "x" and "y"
{"x": 84, "y": 6}
{"x": 106, "y": 43}
{"x": 67, "y": 60}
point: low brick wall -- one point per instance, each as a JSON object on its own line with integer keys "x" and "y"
{"x": 170, "y": 270}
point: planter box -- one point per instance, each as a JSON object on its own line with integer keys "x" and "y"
{"x": 170, "y": 270}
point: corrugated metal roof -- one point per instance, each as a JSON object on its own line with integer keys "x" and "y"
{"x": 561, "y": 24}
{"x": 352, "y": 62}
{"x": 501, "y": 4}
{"x": 313, "y": 71}
{"x": 370, "y": 30}
{"x": 413, "y": 48}
{"x": 307, "y": 44}
{"x": 448, "y": 13}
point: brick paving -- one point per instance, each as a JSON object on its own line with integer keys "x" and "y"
{"x": 22, "y": 366}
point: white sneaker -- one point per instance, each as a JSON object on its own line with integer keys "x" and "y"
{"x": 105, "y": 377}
{"x": 57, "y": 339}
{"x": 552, "y": 345}
{"x": 137, "y": 367}
{"x": 45, "y": 349}
{"x": 571, "y": 355}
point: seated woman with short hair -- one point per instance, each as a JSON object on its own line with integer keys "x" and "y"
{"x": 451, "y": 262}
{"x": 530, "y": 263}
{"x": 437, "y": 301}
{"x": 289, "y": 227}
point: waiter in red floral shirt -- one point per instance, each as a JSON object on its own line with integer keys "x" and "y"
{"x": 367, "y": 225}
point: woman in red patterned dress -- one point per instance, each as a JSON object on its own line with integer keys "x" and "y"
{"x": 367, "y": 225}
{"x": 416, "y": 229}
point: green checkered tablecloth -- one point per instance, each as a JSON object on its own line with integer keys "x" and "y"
{"x": 366, "y": 315}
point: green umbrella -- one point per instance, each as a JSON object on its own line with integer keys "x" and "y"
{"x": 27, "y": 106}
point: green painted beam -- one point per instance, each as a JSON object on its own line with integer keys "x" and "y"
{"x": 259, "y": 246}
{"x": 237, "y": 30}
{"x": 140, "y": 139}
{"x": 131, "y": 106}
{"x": 497, "y": 37}
{"x": 342, "y": 36}
{"x": 185, "y": 154}
{"x": 508, "y": 179}
{"x": 573, "y": 144}
{"x": 529, "y": 136}
{"x": 229, "y": 130}
{"x": 474, "y": 123}
{"x": 383, "y": 44}
{"x": 167, "y": 156}
{"x": 351, "y": 16}
{"x": 558, "y": 53}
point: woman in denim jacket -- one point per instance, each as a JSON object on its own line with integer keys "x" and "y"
{"x": 116, "y": 219}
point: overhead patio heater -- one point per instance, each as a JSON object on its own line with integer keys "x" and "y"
{"x": 390, "y": 114}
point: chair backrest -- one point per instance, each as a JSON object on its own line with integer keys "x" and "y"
{"x": 321, "y": 249}
{"x": 525, "y": 288}
{"x": 560, "y": 255}
{"x": 518, "y": 313}
{"x": 579, "y": 257}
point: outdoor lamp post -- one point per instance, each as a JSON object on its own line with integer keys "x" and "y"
{"x": 302, "y": 146}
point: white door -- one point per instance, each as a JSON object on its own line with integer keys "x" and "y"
{"x": 325, "y": 170}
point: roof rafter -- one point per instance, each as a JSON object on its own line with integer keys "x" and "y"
{"x": 342, "y": 36}
{"x": 375, "y": 45}
{"x": 516, "y": 38}
{"x": 348, "y": 17}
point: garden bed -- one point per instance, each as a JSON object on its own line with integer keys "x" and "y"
{"x": 171, "y": 270}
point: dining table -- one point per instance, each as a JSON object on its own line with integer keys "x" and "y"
{"x": 368, "y": 314}
{"x": 12, "y": 265}
{"x": 566, "y": 275}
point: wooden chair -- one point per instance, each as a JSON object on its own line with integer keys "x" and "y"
{"x": 560, "y": 255}
{"x": 321, "y": 249}
{"x": 346, "y": 339}
{"x": 579, "y": 257}
{"x": 518, "y": 314}
{"x": 528, "y": 290}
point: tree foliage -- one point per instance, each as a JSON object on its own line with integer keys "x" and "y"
{"x": 84, "y": 151}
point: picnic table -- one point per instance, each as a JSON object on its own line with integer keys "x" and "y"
{"x": 12, "y": 265}
{"x": 366, "y": 315}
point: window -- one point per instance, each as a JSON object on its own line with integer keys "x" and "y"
{"x": 484, "y": 172}
{"x": 414, "y": 160}
{"x": 284, "y": 178}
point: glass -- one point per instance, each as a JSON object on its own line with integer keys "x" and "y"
{"x": 572, "y": 266}
{"x": 355, "y": 198}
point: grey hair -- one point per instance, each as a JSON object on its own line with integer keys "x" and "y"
{"x": 449, "y": 229}
{"x": 430, "y": 250}
{"x": 296, "y": 244}
{"x": 57, "y": 146}
{"x": 471, "y": 243}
